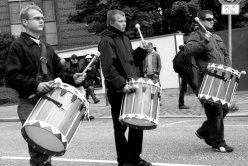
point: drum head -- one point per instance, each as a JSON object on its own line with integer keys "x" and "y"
{"x": 138, "y": 123}
{"x": 43, "y": 140}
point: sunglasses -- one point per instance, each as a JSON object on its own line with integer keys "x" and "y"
{"x": 209, "y": 19}
{"x": 74, "y": 58}
{"x": 37, "y": 18}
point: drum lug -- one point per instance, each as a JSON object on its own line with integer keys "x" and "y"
{"x": 81, "y": 107}
{"x": 143, "y": 89}
{"x": 63, "y": 92}
{"x": 152, "y": 96}
{"x": 74, "y": 97}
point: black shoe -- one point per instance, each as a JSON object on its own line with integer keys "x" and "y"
{"x": 144, "y": 163}
{"x": 91, "y": 117}
{"x": 207, "y": 140}
{"x": 183, "y": 107}
{"x": 223, "y": 149}
{"x": 96, "y": 101}
{"x": 140, "y": 163}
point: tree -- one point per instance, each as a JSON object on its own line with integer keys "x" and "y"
{"x": 5, "y": 41}
{"x": 144, "y": 12}
{"x": 158, "y": 16}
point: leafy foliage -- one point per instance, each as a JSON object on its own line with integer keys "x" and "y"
{"x": 5, "y": 41}
{"x": 158, "y": 16}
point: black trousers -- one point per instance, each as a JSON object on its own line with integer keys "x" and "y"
{"x": 183, "y": 87}
{"x": 214, "y": 126}
{"x": 36, "y": 158}
{"x": 128, "y": 149}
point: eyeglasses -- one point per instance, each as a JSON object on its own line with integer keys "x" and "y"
{"x": 37, "y": 18}
{"x": 73, "y": 58}
{"x": 209, "y": 19}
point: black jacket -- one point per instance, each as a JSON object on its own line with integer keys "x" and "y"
{"x": 23, "y": 65}
{"x": 119, "y": 61}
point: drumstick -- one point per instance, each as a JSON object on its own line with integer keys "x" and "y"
{"x": 92, "y": 60}
{"x": 200, "y": 24}
{"x": 137, "y": 26}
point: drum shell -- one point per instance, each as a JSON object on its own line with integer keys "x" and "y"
{"x": 50, "y": 128}
{"x": 219, "y": 85}
{"x": 140, "y": 109}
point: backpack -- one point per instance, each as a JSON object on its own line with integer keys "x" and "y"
{"x": 181, "y": 63}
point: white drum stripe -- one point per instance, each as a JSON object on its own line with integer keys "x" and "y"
{"x": 92, "y": 161}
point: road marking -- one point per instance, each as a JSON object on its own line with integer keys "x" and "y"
{"x": 170, "y": 124}
{"x": 92, "y": 161}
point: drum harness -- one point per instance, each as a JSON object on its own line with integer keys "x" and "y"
{"x": 43, "y": 59}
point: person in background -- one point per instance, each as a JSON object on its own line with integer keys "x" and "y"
{"x": 29, "y": 75}
{"x": 152, "y": 64}
{"x": 92, "y": 77}
{"x": 74, "y": 66}
{"x": 187, "y": 77}
{"x": 119, "y": 64}
{"x": 62, "y": 61}
{"x": 207, "y": 47}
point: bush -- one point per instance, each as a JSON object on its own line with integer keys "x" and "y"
{"x": 5, "y": 40}
{"x": 8, "y": 96}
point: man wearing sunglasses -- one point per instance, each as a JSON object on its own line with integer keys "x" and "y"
{"x": 207, "y": 47}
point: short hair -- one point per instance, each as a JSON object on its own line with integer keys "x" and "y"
{"x": 150, "y": 44}
{"x": 111, "y": 14}
{"x": 24, "y": 11}
{"x": 201, "y": 14}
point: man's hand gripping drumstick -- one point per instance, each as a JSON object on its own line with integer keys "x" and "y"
{"x": 208, "y": 34}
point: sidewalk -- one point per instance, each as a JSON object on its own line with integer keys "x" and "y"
{"x": 169, "y": 108}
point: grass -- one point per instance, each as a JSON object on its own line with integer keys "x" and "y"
{"x": 8, "y": 96}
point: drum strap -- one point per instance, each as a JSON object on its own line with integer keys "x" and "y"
{"x": 43, "y": 58}
{"x": 50, "y": 99}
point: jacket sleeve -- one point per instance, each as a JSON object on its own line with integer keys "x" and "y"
{"x": 158, "y": 64}
{"x": 139, "y": 54}
{"x": 194, "y": 45}
{"x": 223, "y": 48}
{"x": 15, "y": 77}
{"x": 108, "y": 57}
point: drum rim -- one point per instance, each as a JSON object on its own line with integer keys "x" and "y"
{"x": 225, "y": 103}
{"x": 143, "y": 80}
{"x": 126, "y": 116}
{"x": 58, "y": 133}
{"x": 137, "y": 127}
{"x": 72, "y": 89}
{"x": 38, "y": 147}
{"x": 223, "y": 67}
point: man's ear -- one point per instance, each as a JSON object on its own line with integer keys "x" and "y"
{"x": 24, "y": 22}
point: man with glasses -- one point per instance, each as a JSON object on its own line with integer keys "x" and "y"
{"x": 31, "y": 70}
{"x": 207, "y": 47}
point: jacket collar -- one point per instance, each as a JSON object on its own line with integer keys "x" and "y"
{"x": 27, "y": 38}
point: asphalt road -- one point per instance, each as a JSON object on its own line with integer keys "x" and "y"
{"x": 172, "y": 143}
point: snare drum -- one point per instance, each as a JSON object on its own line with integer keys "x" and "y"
{"x": 140, "y": 109}
{"x": 219, "y": 85}
{"x": 52, "y": 124}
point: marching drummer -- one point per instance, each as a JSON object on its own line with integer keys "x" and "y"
{"x": 31, "y": 66}
{"x": 119, "y": 63}
{"x": 207, "y": 47}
